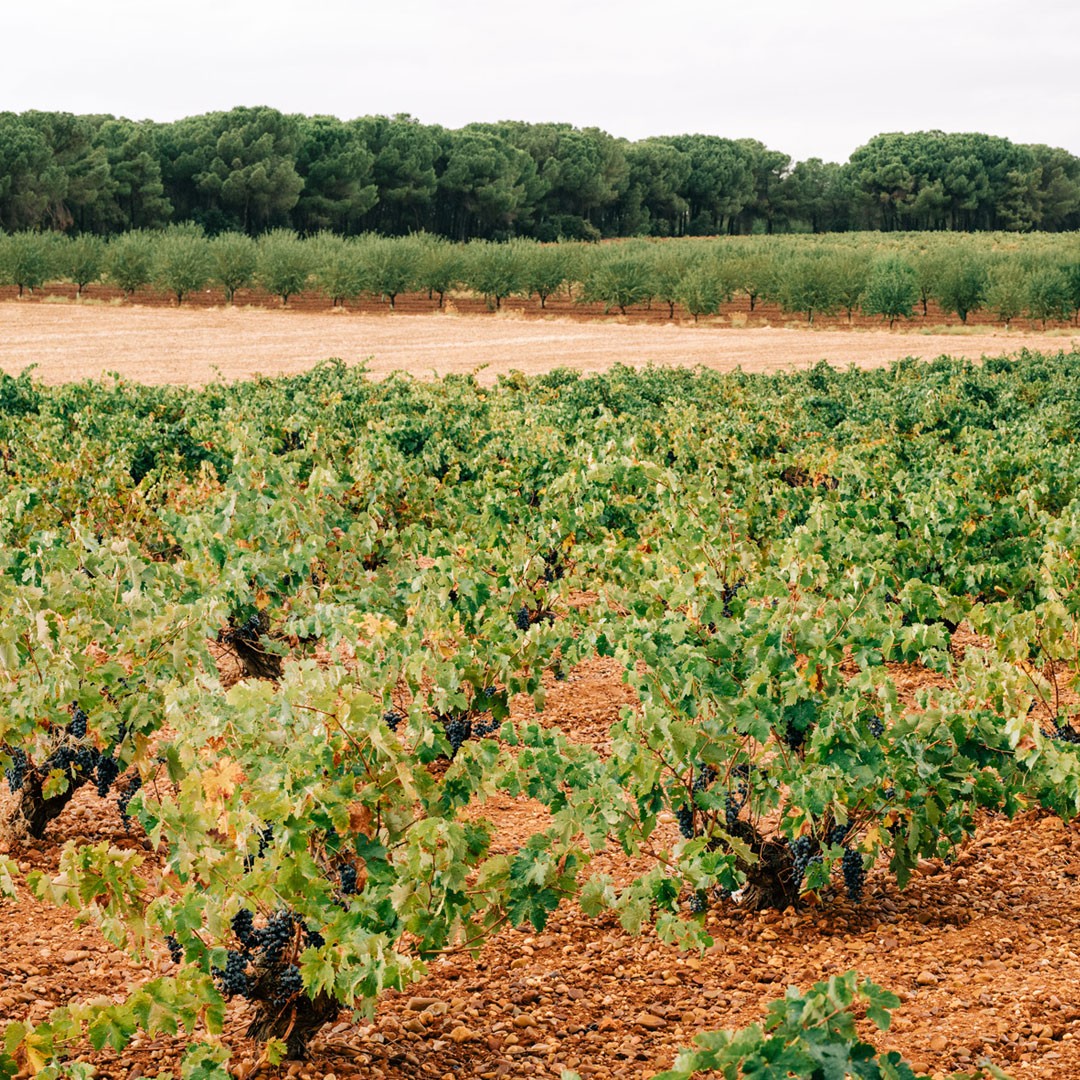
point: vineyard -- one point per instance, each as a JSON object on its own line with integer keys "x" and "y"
{"x": 396, "y": 728}
{"x": 877, "y": 279}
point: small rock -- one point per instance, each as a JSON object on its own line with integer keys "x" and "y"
{"x": 649, "y": 1021}
{"x": 463, "y": 1034}
{"x": 939, "y": 1043}
{"x": 419, "y": 1004}
{"x": 926, "y": 978}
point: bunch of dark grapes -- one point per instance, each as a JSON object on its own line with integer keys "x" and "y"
{"x": 176, "y": 954}
{"x": 704, "y": 775}
{"x": 249, "y": 631}
{"x": 685, "y": 817}
{"x": 243, "y": 926}
{"x": 732, "y": 806}
{"x": 854, "y": 874}
{"x": 313, "y": 938}
{"x": 729, "y": 593}
{"x": 77, "y": 727}
{"x": 277, "y": 935}
{"x": 392, "y": 718}
{"x": 479, "y": 731}
{"x": 699, "y": 902}
{"x": 876, "y": 726}
{"x": 1065, "y": 733}
{"x": 347, "y": 875}
{"x": 233, "y": 976}
{"x": 15, "y": 773}
{"x": 126, "y": 796}
{"x": 523, "y": 620}
{"x": 289, "y": 984}
{"x": 801, "y": 856}
{"x": 458, "y": 728}
{"x": 837, "y": 834}
{"x": 793, "y": 737}
{"x": 107, "y": 771}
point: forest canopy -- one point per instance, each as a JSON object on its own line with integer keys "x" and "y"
{"x": 253, "y": 169}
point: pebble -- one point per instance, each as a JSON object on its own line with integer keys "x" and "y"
{"x": 926, "y": 978}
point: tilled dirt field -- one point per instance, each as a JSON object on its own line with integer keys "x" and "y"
{"x": 194, "y": 345}
{"x": 982, "y": 954}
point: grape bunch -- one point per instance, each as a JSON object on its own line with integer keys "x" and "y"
{"x": 685, "y": 817}
{"x": 347, "y": 874}
{"x": 1065, "y": 733}
{"x": 728, "y": 594}
{"x": 289, "y": 984}
{"x": 15, "y": 773}
{"x": 77, "y": 727}
{"x": 854, "y": 874}
{"x": 233, "y": 976}
{"x": 243, "y": 926}
{"x": 875, "y": 726}
{"x": 176, "y": 953}
{"x": 107, "y": 771}
{"x": 392, "y": 718}
{"x": 801, "y": 856}
{"x": 277, "y": 936}
{"x": 126, "y": 796}
{"x": 699, "y": 902}
{"x": 837, "y": 834}
{"x": 458, "y": 728}
{"x": 523, "y": 620}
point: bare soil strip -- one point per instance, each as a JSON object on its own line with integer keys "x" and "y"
{"x": 193, "y": 346}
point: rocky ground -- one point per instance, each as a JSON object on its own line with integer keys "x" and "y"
{"x": 982, "y": 954}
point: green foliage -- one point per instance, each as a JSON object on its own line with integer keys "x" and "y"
{"x": 891, "y": 290}
{"x": 812, "y": 1036}
{"x": 82, "y": 260}
{"x": 285, "y": 264}
{"x": 619, "y": 280}
{"x": 26, "y": 259}
{"x": 129, "y": 261}
{"x": 763, "y": 552}
{"x": 495, "y": 271}
{"x": 234, "y": 260}
{"x": 182, "y": 261}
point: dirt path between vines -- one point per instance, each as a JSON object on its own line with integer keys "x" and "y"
{"x": 69, "y": 341}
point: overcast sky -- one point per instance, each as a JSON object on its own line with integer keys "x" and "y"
{"x": 814, "y": 78}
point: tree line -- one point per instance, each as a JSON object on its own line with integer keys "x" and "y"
{"x": 1036, "y": 276}
{"x": 251, "y": 170}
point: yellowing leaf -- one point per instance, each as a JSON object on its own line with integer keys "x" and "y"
{"x": 221, "y": 780}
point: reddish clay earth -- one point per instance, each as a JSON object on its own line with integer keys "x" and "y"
{"x": 982, "y": 954}
{"x": 205, "y": 340}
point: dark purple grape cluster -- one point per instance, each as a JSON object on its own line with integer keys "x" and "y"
{"x": 107, "y": 771}
{"x": 728, "y": 594}
{"x": 176, "y": 954}
{"x": 837, "y": 835}
{"x": 277, "y": 935}
{"x": 876, "y": 726}
{"x": 15, "y": 773}
{"x": 347, "y": 875}
{"x": 77, "y": 727}
{"x": 393, "y": 718}
{"x": 313, "y": 938}
{"x": 134, "y": 784}
{"x": 243, "y": 926}
{"x": 233, "y": 976}
{"x": 289, "y": 984}
{"x": 685, "y": 817}
{"x": 1065, "y": 733}
{"x": 523, "y": 620}
{"x": 458, "y": 728}
{"x": 854, "y": 874}
{"x": 802, "y": 854}
{"x": 699, "y": 902}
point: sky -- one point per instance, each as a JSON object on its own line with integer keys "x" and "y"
{"x": 816, "y": 78}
